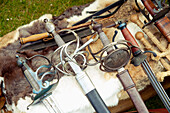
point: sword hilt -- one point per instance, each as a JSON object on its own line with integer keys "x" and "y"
{"x": 29, "y": 74}
{"x": 128, "y": 36}
{"x": 81, "y": 76}
{"x": 33, "y": 77}
{"x": 116, "y": 60}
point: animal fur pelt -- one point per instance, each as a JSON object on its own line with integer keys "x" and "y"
{"x": 68, "y": 93}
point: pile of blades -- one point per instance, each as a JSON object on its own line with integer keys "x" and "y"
{"x": 114, "y": 56}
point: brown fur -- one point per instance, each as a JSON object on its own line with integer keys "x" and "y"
{"x": 16, "y": 85}
{"x": 15, "y": 82}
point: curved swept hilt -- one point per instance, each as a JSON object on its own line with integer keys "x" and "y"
{"x": 116, "y": 58}
{"x": 35, "y": 79}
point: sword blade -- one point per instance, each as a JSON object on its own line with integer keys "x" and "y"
{"x": 156, "y": 85}
{"x": 52, "y": 105}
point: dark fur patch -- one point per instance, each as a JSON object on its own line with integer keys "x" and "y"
{"x": 15, "y": 82}
{"x": 16, "y": 85}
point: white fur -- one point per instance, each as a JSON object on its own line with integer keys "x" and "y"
{"x": 46, "y": 16}
{"x": 95, "y": 6}
{"x": 71, "y": 98}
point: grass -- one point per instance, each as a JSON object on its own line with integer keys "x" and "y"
{"x": 14, "y": 13}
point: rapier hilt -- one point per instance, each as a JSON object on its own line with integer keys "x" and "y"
{"x": 35, "y": 79}
{"x": 81, "y": 76}
{"x": 50, "y": 28}
{"x": 116, "y": 59}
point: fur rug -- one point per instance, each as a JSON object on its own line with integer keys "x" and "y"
{"x": 68, "y": 93}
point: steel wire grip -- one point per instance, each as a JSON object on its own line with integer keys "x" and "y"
{"x": 41, "y": 87}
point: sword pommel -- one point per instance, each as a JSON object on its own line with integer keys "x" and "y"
{"x": 49, "y": 26}
{"x": 98, "y": 27}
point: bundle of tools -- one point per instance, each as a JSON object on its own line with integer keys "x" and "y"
{"x": 74, "y": 63}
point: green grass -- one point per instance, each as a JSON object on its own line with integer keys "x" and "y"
{"x": 14, "y": 13}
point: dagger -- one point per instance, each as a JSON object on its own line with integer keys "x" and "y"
{"x": 82, "y": 30}
{"x": 67, "y": 37}
{"x": 43, "y": 93}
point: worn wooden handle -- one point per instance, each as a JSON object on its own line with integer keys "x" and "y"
{"x": 135, "y": 19}
{"x": 128, "y": 36}
{"x": 140, "y": 36}
{"x": 33, "y": 38}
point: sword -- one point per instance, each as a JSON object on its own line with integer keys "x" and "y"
{"x": 81, "y": 76}
{"x": 140, "y": 58}
{"x": 43, "y": 92}
{"x": 161, "y": 21}
{"x": 116, "y": 60}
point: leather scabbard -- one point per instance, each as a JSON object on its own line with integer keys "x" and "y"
{"x": 129, "y": 86}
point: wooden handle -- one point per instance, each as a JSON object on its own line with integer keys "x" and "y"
{"x": 33, "y": 38}
{"x": 128, "y": 36}
{"x": 149, "y": 6}
{"x": 140, "y": 36}
{"x": 163, "y": 25}
{"x": 135, "y": 19}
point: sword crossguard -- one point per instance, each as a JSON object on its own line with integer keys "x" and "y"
{"x": 35, "y": 79}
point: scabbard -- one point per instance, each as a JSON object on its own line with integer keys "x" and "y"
{"x": 97, "y": 102}
{"x": 130, "y": 88}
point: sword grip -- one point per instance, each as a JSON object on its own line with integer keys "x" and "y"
{"x": 33, "y": 38}
{"x": 129, "y": 86}
{"x": 29, "y": 78}
{"x": 128, "y": 36}
{"x": 149, "y": 6}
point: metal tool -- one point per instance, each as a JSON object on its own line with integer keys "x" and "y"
{"x": 80, "y": 75}
{"x": 140, "y": 58}
{"x": 43, "y": 90}
{"x": 116, "y": 59}
{"x": 160, "y": 20}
